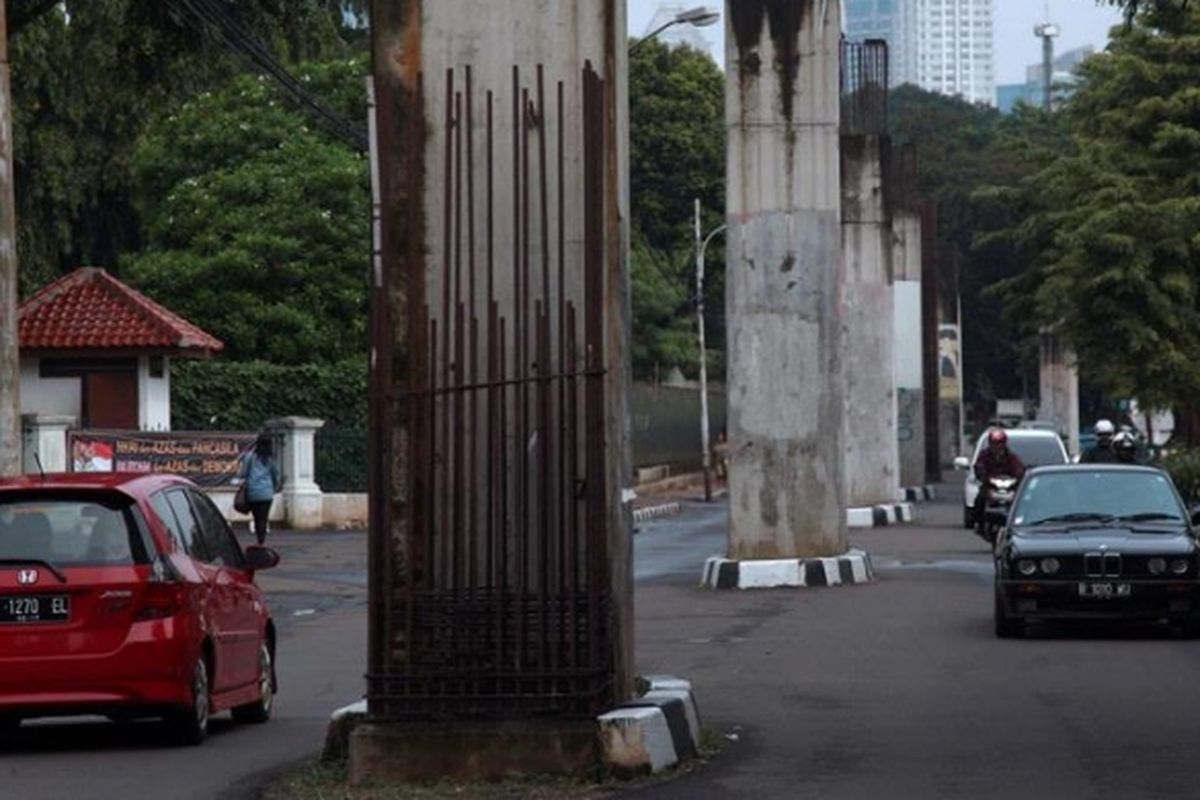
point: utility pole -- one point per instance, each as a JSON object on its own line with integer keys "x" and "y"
{"x": 10, "y": 372}
{"x": 1047, "y": 31}
{"x": 705, "y": 443}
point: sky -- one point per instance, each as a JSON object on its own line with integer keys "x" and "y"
{"x": 1082, "y": 22}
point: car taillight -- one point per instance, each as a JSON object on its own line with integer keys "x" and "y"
{"x": 163, "y": 593}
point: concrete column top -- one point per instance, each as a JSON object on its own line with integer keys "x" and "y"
{"x": 36, "y": 420}
{"x": 296, "y": 423}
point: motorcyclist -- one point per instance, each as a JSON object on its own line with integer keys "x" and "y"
{"x": 1102, "y": 452}
{"x": 1125, "y": 447}
{"x": 995, "y": 461}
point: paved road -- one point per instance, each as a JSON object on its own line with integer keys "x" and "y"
{"x": 318, "y": 598}
{"x": 900, "y": 690}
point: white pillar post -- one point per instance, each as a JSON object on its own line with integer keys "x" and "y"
{"x": 45, "y": 440}
{"x": 301, "y": 494}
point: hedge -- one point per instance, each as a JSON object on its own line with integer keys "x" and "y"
{"x": 241, "y": 395}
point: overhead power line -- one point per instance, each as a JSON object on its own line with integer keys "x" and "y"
{"x": 216, "y": 19}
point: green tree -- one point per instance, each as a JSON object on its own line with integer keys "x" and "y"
{"x": 677, "y": 154}
{"x": 257, "y": 225}
{"x": 85, "y": 86}
{"x": 1112, "y": 229}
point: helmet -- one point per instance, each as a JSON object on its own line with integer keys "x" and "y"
{"x": 1104, "y": 428}
{"x": 1124, "y": 441}
{"x": 998, "y": 436}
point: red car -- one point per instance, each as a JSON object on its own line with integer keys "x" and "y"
{"x": 128, "y": 596}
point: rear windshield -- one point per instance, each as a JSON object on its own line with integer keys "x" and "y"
{"x": 1034, "y": 451}
{"x": 68, "y": 532}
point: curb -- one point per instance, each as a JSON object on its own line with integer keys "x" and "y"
{"x": 653, "y": 732}
{"x": 879, "y": 516}
{"x": 852, "y": 568}
{"x": 654, "y": 512}
{"x": 342, "y": 723}
{"x": 918, "y": 494}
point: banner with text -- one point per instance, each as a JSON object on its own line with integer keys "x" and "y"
{"x": 208, "y": 459}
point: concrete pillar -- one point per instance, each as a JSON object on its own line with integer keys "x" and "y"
{"x": 786, "y": 385}
{"x": 909, "y": 353}
{"x": 46, "y": 438}
{"x": 872, "y": 446}
{"x": 10, "y": 370}
{"x": 1059, "y": 385}
{"x": 301, "y": 494}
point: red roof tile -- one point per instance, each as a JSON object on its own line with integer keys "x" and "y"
{"x": 91, "y": 310}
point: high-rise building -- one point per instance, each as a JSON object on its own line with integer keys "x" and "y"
{"x": 1032, "y": 91}
{"x": 944, "y": 46}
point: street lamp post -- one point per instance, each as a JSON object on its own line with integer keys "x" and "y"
{"x": 700, "y": 17}
{"x": 706, "y": 451}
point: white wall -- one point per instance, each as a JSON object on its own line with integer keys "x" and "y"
{"x": 908, "y": 334}
{"x": 154, "y": 397}
{"x": 53, "y": 396}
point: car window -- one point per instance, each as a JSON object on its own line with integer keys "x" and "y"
{"x": 71, "y": 530}
{"x": 163, "y": 509}
{"x": 189, "y": 527}
{"x": 1139, "y": 496}
{"x": 218, "y": 539}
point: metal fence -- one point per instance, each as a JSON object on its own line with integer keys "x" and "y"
{"x": 340, "y": 459}
{"x": 665, "y": 424}
{"x": 501, "y": 599}
{"x": 864, "y": 87}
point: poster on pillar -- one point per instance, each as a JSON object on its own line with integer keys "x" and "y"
{"x": 949, "y": 363}
{"x": 207, "y": 459}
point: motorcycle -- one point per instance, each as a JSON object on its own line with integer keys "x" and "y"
{"x": 1000, "y": 491}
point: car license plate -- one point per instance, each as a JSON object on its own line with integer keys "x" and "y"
{"x": 28, "y": 608}
{"x": 1105, "y": 591}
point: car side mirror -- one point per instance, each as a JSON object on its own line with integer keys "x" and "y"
{"x": 962, "y": 463}
{"x": 259, "y": 557}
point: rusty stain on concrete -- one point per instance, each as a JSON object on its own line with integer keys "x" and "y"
{"x": 784, "y": 19}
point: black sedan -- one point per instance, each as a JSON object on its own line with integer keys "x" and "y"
{"x": 1097, "y": 542}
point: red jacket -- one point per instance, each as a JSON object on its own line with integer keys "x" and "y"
{"x": 989, "y": 465}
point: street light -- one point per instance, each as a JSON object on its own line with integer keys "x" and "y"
{"x": 701, "y": 247}
{"x": 699, "y": 17}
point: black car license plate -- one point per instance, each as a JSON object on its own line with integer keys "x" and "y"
{"x": 26, "y": 608}
{"x": 1105, "y": 591}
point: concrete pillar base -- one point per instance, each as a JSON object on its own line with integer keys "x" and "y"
{"x": 879, "y": 516}
{"x": 918, "y": 494}
{"x": 426, "y": 752}
{"x": 853, "y": 567}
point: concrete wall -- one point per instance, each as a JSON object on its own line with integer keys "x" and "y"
{"x": 1059, "y": 389}
{"x": 910, "y": 395}
{"x": 154, "y": 396}
{"x": 872, "y": 446}
{"x": 785, "y": 373}
{"x": 54, "y": 396}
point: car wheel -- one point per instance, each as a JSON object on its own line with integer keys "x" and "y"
{"x": 260, "y": 710}
{"x": 190, "y": 725}
{"x": 1007, "y": 627}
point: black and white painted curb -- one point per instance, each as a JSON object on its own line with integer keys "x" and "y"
{"x": 723, "y": 573}
{"x": 654, "y": 732}
{"x": 654, "y": 512}
{"x": 879, "y": 516}
{"x": 918, "y": 494}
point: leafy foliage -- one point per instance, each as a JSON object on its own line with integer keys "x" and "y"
{"x": 677, "y": 154}
{"x": 1112, "y": 229}
{"x": 257, "y": 227}
{"x": 229, "y": 395}
{"x": 84, "y": 90}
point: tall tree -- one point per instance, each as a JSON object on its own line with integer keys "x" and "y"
{"x": 258, "y": 223}
{"x": 1112, "y": 230}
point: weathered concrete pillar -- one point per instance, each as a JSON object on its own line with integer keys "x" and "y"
{"x": 906, "y": 293}
{"x": 1059, "y": 385}
{"x": 909, "y": 354}
{"x": 10, "y": 371}
{"x": 872, "y": 447}
{"x": 786, "y": 385}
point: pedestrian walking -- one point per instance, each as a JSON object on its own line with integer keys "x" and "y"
{"x": 261, "y": 476}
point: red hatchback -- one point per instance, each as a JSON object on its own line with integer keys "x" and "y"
{"x": 128, "y": 596}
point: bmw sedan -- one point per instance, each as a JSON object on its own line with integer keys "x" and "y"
{"x": 128, "y": 596}
{"x": 1097, "y": 542}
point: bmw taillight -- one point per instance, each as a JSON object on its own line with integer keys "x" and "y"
{"x": 162, "y": 595}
